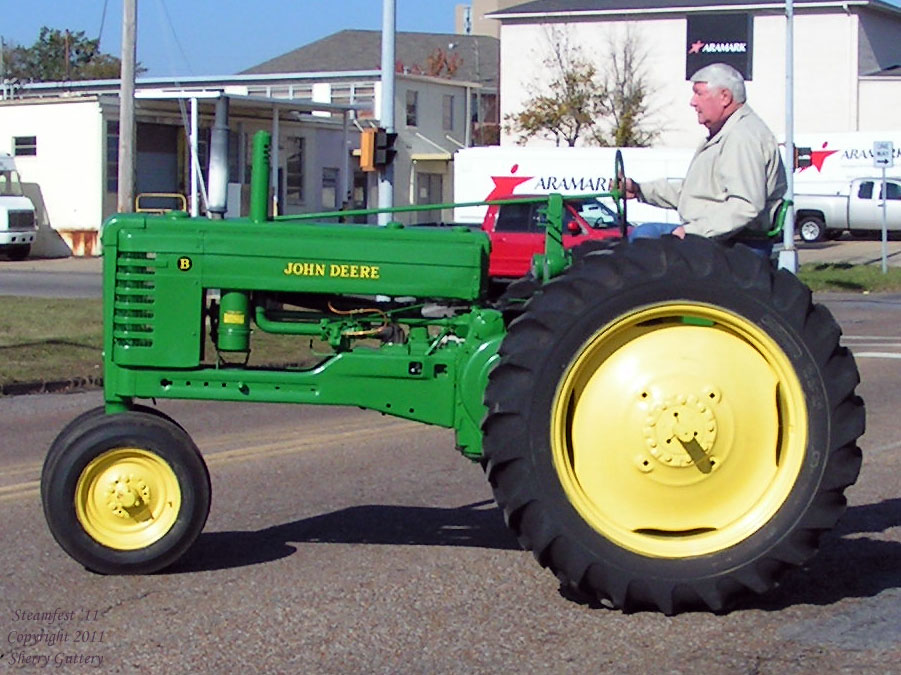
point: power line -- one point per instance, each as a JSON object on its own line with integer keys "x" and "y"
{"x": 102, "y": 20}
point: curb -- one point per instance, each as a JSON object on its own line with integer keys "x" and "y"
{"x": 51, "y": 387}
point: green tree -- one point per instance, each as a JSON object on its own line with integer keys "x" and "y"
{"x": 581, "y": 103}
{"x": 59, "y": 56}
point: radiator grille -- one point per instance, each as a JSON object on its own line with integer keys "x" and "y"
{"x": 133, "y": 308}
{"x": 21, "y": 220}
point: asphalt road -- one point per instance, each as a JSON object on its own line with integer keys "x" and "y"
{"x": 341, "y": 541}
{"x": 52, "y": 278}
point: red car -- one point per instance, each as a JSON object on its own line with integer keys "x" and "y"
{"x": 517, "y": 231}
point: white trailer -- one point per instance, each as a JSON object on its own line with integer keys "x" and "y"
{"x": 833, "y": 160}
{"x": 496, "y": 172}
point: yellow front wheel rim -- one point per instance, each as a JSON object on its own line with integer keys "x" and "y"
{"x": 127, "y": 498}
{"x": 679, "y": 430}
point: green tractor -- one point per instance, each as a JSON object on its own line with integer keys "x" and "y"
{"x": 666, "y": 424}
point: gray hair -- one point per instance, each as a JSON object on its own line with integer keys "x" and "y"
{"x": 721, "y": 76}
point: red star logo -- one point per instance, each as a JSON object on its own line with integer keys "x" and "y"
{"x": 503, "y": 188}
{"x": 817, "y": 157}
{"x": 695, "y": 47}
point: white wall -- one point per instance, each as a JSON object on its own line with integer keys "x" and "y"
{"x": 68, "y": 166}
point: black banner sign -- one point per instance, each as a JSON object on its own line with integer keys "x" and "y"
{"x": 719, "y": 38}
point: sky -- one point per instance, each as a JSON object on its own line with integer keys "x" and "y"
{"x": 215, "y": 37}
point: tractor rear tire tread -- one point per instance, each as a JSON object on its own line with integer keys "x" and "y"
{"x": 526, "y": 486}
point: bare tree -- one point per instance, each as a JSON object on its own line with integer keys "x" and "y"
{"x": 581, "y": 103}
{"x": 625, "y": 92}
{"x": 568, "y": 110}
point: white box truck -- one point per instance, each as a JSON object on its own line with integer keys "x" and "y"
{"x": 18, "y": 227}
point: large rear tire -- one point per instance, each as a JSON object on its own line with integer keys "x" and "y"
{"x": 126, "y": 493}
{"x": 672, "y": 425}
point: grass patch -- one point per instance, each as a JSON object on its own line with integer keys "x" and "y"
{"x": 850, "y": 278}
{"x": 49, "y": 339}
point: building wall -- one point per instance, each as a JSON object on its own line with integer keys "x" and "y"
{"x": 879, "y": 105}
{"x": 827, "y": 45}
{"x": 68, "y": 167}
{"x": 880, "y": 43}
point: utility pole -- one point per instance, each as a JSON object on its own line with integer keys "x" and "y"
{"x": 788, "y": 256}
{"x": 386, "y": 114}
{"x": 2, "y": 70}
{"x": 126, "y": 202}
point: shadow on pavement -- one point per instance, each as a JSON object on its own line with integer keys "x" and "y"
{"x": 477, "y": 525}
{"x": 848, "y": 565}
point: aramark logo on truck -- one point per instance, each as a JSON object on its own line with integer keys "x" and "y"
{"x": 572, "y": 184}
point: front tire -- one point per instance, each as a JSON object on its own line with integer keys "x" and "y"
{"x": 126, "y": 493}
{"x": 672, "y": 425}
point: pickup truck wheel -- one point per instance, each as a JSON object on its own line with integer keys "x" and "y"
{"x": 19, "y": 251}
{"x": 126, "y": 493}
{"x": 672, "y": 426}
{"x": 811, "y": 228}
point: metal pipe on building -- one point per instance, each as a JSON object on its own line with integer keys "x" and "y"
{"x": 195, "y": 164}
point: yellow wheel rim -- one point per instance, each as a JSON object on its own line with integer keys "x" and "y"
{"x": 127, "y": 498}
{"x": 679, "y": 430}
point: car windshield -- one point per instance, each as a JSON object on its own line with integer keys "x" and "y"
{"x": 9, "y": 184}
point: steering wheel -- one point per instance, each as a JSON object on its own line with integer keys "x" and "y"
{"x": 619, "y": 184}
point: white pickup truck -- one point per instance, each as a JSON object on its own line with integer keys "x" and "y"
{"x": 18, "y": 228}
{"x": 819, "y": 217}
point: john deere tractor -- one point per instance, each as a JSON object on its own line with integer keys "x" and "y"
{"x": 665, "y": 424}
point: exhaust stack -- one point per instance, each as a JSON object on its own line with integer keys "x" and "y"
{"x": 218, "y": 183}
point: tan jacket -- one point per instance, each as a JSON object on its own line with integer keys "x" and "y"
{"x": 736, "y": 179}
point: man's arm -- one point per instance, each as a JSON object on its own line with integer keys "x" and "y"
{"x": 660, "y": 192}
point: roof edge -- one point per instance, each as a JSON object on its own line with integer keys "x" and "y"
{"x": 663, "y": 9}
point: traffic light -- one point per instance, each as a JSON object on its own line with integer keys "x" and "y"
{"x": 802, "y": 158}
{"x": 384, "y": 148}
{"x": 367, "y": 149}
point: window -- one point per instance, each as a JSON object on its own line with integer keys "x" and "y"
{"x": 294, "y": 174}
{"x": 429, "y": 188}
{"x": 329, "y": 188}
{"x": 112, "y": 156}
{"x": 25, "y": 146}
{"x": 865, "y": 191}
{"x": 412, "y": 107}
{"x": 892, "y": 190}
{"x": 447, "y": 112}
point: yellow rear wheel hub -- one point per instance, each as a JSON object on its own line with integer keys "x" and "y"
{"x": 679, "y": 430}
{"x": 127, "y": 498}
